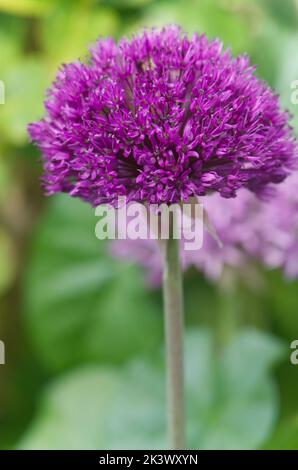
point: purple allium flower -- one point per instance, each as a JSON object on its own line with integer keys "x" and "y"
{"x": 250, "y": 230}
{"x": 276, "y": 229}
{"x": 161, "y": 118}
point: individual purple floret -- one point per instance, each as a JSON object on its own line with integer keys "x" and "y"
{"x": 161, "y": 118}
{"x": 249, "y": 229}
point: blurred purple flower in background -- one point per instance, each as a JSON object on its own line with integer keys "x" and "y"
{"x": 249, "y": 229}
{"x": 162, "y": 118}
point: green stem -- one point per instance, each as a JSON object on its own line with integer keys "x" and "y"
{"x": 227, "y": 318}
{"x": 173, "y": 305}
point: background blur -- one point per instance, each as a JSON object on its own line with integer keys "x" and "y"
{"x": 82, "y": 331}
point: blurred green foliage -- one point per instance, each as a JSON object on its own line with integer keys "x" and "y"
{"x": 83, "y": 333}
{"x": 81, "y": 304}
{"x": 221, "y": 397}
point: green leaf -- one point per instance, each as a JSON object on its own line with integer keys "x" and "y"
{"x": 282, "y": 303}
{"x": 266, "y": 50}
{"x": 232, "y": 401}
{"x": 286, "y": 436}
{"x": 214, "y": 18}
{"x": 82, "y": 305}
{"x": 25, "y": 7}
{"x": 69, "y": 31}
{"x": 284, "y": 13}
{"x": 242, "y": 398}
{"x": 25, "y": 83}
{"x": 127, "y": 4}
{"x": 274, "y": 54}
{"x": 8, "y": 261}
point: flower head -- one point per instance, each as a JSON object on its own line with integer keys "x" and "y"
{"x": 161, "y": 118}
{"x": 276, "y": 229}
